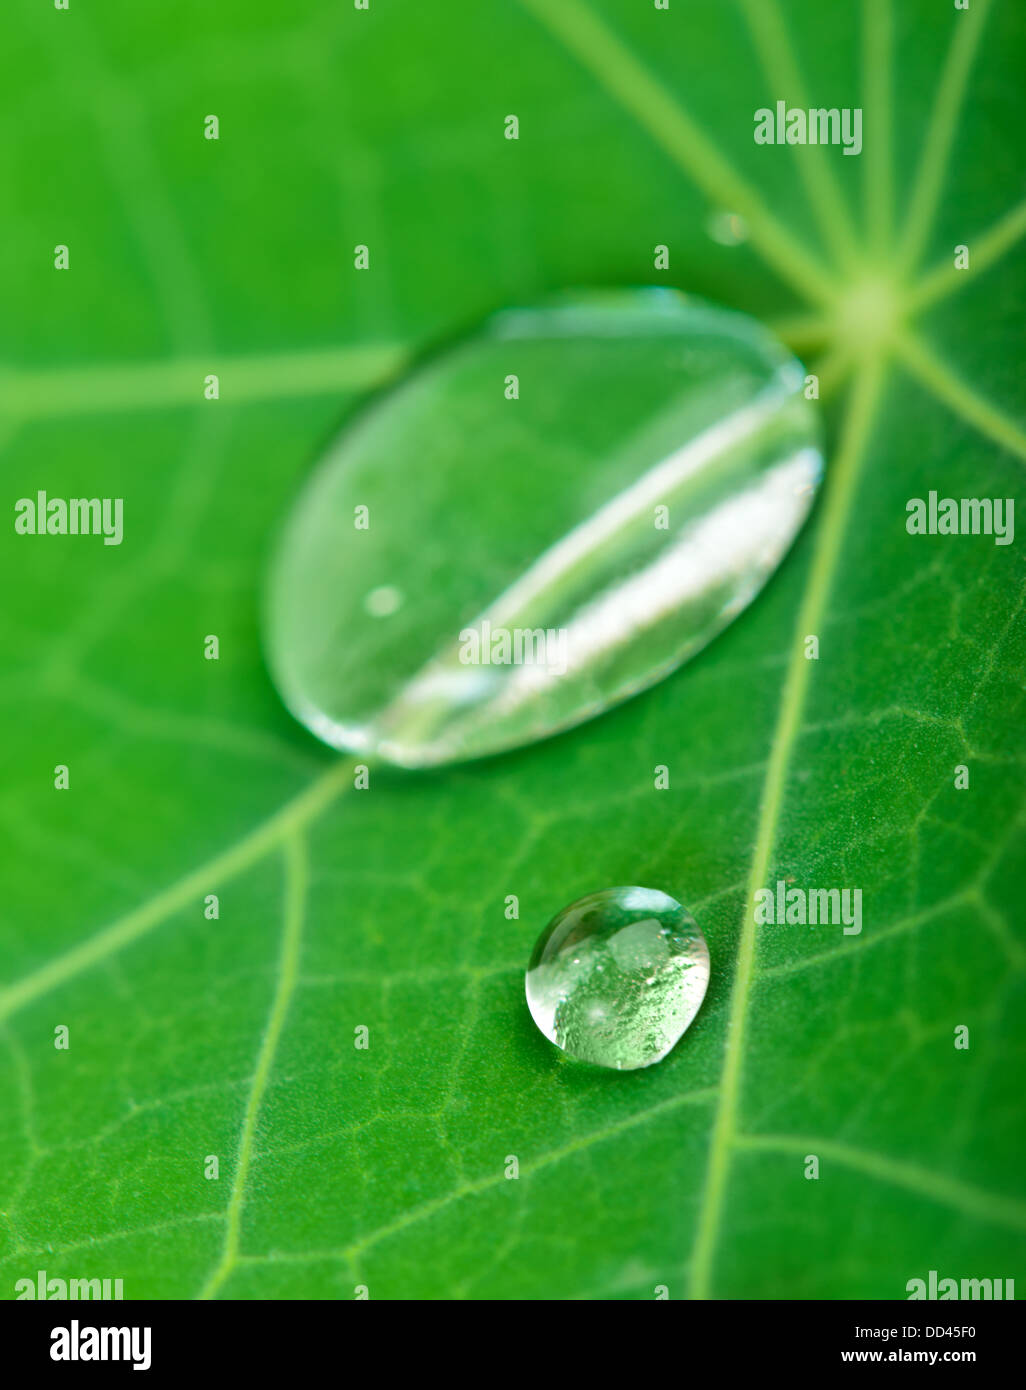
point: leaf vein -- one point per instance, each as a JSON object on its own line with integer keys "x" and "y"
{"x": 296, "y": 878}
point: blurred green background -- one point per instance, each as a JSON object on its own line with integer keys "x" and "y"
{"x": 190, "y": 1037}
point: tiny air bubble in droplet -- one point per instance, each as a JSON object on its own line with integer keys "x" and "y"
{"x": 617, "y": 977}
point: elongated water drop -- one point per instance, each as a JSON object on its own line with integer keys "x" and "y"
{"x": 539, "y": 523}
{"x": 617, "y": 977}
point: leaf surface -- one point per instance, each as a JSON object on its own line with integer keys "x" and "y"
{"x": 384, "y": 908}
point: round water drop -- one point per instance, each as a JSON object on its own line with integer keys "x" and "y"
{"x": 728, "y": 228}
{"x": 383, "y": 602}
{"x": 617, "y": 977}
{"x": 571, "y": 502}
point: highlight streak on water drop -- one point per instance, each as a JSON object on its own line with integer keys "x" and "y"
{"x": 631, "y": 499}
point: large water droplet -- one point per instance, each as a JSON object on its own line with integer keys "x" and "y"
{"x": 617, "y": 977}
{"x": 537, "y": 524}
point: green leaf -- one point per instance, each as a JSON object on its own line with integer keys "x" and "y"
{"x": 384, "y": 908}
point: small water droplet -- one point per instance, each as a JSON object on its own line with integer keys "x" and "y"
{"x": 632, "y": 1013}
{"x": 727, "y": 228}
{"x": 555, "y": 552}
{"x": 383, "y": 601}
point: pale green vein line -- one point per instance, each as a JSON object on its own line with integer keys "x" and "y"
{"x": 803, "y": 331}
{"x": 141, "y": 920}
{"x": 844, "y": 472}
{"x": 950, "y": 1192}
{"x": 9, "y": 425}
{"x": 984, "y": 251}
{"x": 944, "y": 117}
{"x": 180, "y": 381}
{"x": 150, "y": 721}
{"x": 833, "y": 369}
{"x": 296, "y": 876}
{"x": 670, "y": 125}
{"x": 1002, "y": 933}
{"x": 958, "y": 396}
{"x": 121, "y": 121}
{"x": 854, "y": 947}
{"x": 426, "y": 1210}
{"x": 22, "y": 1253}
{"x": 877, "y": 80}
{"x": 23, "y": 1076}
{"x": 766, "y": 24}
